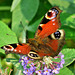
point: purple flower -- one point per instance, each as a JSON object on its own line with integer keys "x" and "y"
{"x": 62, "y": 56}
{"x": 61, "y": 63}
{"x": 56, "y": 70}
{"x": 20, "y": 60}
{"x": 24, "y": 63}
{"x": 47, "y": 66}
{"x": 25, "y": 67}
{"x": 32, "y": 67}
{"x": 46, "y": 71}
{"x": 25, "y": 59}
{"x": 39, "y": 72}
{"x": 30, "y": 72}
{"x": 27, "y": 72}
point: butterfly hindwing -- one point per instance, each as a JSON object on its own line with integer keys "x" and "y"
{"x": 55, "y": 41}
{"x": 49, "y": 46}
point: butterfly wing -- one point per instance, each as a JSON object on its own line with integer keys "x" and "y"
{"x": 23, "y": 49}
{"x": 17, "y": 48}
{"x": 49, "y": 24}
{"x": 49, "y": 46}
{"x": 55, "y": 41}
{"x": 48, "y": 39}
{"x": 52, "y": 38}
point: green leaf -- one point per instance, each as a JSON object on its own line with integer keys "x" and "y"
{"x": 5, "y": 17}
{"x": 20, "y": 67}
{"x": 23, "y": 13}
{"x": 0, "y": 64}
{"x": 68, "y": 25}
{"x": 1, "y": 68}
{"x": 69, "y": 56}
{"x": 6, "y": 35}
{"x": 5, "y": 14}
{"x": 70, "y": 42}
{"x": 72, "y": 67}
{"x": 14, "y": 4}
{"x": 65, "y": 71}
{"x": 11, "y": 59}
{"x": 69, "y": 31}
{"x": 2, "y": 52}
{"x": 43, "y": 7}
{"x": 59, "y": 3}
{"x": 68, "y": 0}
{"x": 5, "y": 2}
{"x": 15, "y": 62}
{"x": 4, "y": 8}
{"x": 18, "y": 72}
{"x": 33, "y": 27}
{"x": 70, "y": 21}
{"x": 27, "y": 7}
{"x": 65, "y": 5}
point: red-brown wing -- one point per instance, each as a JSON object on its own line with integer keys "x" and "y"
{"x": 55, "y": 41}
{"x": 17, "y": 48}
{"x": 37, "y": 48}
{"x": 49, "y": 24}
{"x": 49, "y": 46}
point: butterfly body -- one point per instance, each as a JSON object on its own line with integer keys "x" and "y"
{"x": 48, "y": 40}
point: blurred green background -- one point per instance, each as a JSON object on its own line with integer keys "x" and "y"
{"x": 19, "y": 20}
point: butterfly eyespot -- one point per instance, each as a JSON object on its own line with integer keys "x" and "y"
{"x": 57, "y": 35}
{"x": 33, "y": 55}
{"x": 50, "y": 14}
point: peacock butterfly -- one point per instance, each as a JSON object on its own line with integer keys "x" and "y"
{"x": 48, "y": 40}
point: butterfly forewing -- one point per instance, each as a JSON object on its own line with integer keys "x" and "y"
{"x": 17, "y": 48}
{"x": 49, "y": 24}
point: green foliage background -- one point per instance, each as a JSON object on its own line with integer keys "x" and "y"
{"x": 30, "y": 13}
